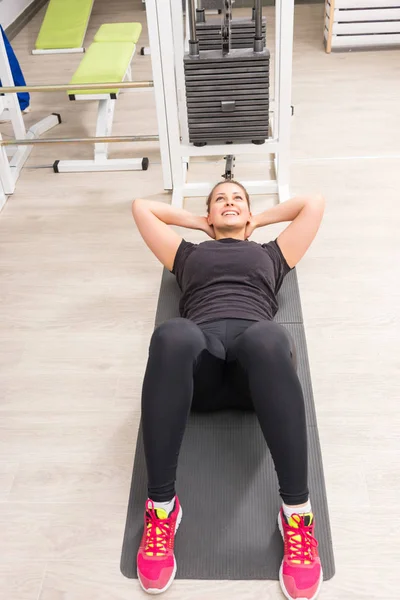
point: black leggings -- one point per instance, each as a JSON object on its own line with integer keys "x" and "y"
{"x": 233, "y": 363}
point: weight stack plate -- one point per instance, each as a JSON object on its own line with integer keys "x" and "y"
{"x": 242, "y": 33}
{"x": 227, "y": 96}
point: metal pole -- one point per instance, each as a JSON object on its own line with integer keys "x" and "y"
{"x": 168, "y": 12}
{"x": 179, "y": 52}
{"x": 226, "y": 27}
{"x": 86, "y": 140}
{"x": 258, "y": 39}
{"x": 193, "y": 42}
{"x": 159, "y": 94}
{"x": 284, "y": 33}
{"x": 230, "y": 162}
{"x": 65, "y": 87}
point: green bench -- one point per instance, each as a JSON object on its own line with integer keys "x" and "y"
{"x": 64, "y": 27}
{"x": 108, "y": 59}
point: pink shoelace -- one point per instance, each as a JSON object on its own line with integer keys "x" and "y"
{"x": 300, "y": 549}
{"x": 158, "y": 533}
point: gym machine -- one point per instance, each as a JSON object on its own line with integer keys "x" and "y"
{"x": 166, "y": 26}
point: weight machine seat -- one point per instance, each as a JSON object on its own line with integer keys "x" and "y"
{"x": 102, "y": 63}
{"x": 108, "y": 58}
{"x": 64, "y": 24}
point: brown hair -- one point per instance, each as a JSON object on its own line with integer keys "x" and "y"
{"x": 210, "y": 195}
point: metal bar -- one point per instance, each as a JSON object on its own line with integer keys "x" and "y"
{"x": 166, "y": 13}
{"x": 284, "y": 34}
{"x": 104, "y": 123}
{"x": 266, "y": 186}
{"x": 193, "y": 42}
{"x": 258, "y": 18}
{"x": 64, "y": 87}
{"x": 159, "y": 92}
{"x": 192, "y": 20}
{"x": 226, "y": 27}
{"x": 86, "y": 140}
{"x": 230, "y": 161}
{"x": 178, "y": 35}
{"x": 3, "y": 197}
{"x": 270, "y": 147}
{"x": 258, "y": 38}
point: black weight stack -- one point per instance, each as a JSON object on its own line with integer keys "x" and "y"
{"x": 227, "y": 91}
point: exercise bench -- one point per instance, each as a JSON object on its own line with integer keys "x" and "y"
{"x": 64, "y": 27}
{"x": 107, "y": 59}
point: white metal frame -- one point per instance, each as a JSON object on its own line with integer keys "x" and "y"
{"x": 59, "y": 50}
{"x": 165, "y": 20}
{"x": 159, "y": 93}
{"x": 11, "y": 162}
{"x": 66, "y": 50}
{"x": 105, "y": 118}
{"x": 146, "y": 50}
{"x": 3, "y": 197}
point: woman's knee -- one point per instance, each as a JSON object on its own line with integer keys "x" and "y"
{"x": 266, "y": 339}
{"x": 176, "y": 336}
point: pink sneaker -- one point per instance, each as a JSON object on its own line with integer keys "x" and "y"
{"x": 156, "y": 564}
{"x": 300, "y": 574}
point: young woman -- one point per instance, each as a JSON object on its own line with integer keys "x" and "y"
{"x": 226, "y": 339}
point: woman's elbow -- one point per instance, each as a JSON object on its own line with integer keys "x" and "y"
{"x": 136, "y": 202}
{"x": 317, "y": 202}
{"x": 318, "y": 199}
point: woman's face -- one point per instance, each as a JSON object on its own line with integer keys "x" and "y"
{"x": 229, "y": 210}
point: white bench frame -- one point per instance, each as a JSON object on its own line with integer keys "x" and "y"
{"x": 13, "y": 158}
{"x": 105, "y": 118}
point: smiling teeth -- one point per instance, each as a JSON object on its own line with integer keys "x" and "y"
{"x": 229, "y": 212}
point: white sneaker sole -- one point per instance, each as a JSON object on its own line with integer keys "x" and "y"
{"x": 284, "y": 590}
{"x": 155, "y": 591}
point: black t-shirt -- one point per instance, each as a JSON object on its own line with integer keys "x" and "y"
{"x": 229, "y": 279}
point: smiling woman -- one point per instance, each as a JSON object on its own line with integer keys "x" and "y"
{"x": 304, "y": 214}
{"x": 217, "y": 185}
{"x": 226, "y": 338}
{"x": 228, "y": 207}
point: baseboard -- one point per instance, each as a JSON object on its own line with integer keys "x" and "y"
{"x": 24, "y": 18}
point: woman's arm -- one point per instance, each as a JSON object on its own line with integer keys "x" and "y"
{"x": 305, "y": 214}
{"x": 285, "y": 211}
{"x": 153, "y": 220}
{"x": 170, "y": 215}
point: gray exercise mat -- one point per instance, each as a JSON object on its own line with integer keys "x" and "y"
{"x": 226, "y": 481}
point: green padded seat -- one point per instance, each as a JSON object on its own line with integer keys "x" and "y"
{"x": 119, "y": 32}
{"x": 64, "y": 24}
{"x": 103, "y": 62}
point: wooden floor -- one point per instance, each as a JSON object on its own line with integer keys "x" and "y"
{"x": 78, "y": 297}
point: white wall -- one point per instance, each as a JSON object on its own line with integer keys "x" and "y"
{"x": 11, "y": 9}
